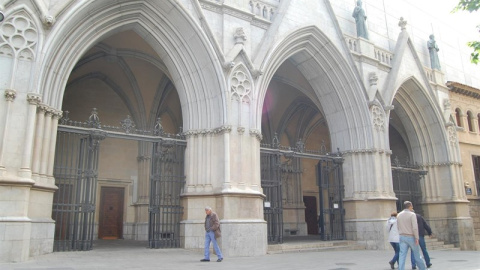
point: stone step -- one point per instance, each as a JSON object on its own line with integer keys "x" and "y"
{"x": 314, "y": 246}
{"x": 435, "y": 244}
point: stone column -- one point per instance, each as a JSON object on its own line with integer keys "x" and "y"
{"x": 47, "y": 133}
{"x": 25, "y": 170}
{"x": 9, "y": 98}
{"x": 38, "y": 143}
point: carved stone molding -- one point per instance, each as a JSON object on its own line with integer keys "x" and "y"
{"x": 256, "y": 133}
{"x": 34, "y": 99}
{"x": 241, "y": 130}
{"x": 452, "y": 134}
{"x": 241, "y": 85}
{"x": 206, "y": 132}
{"x": 10, "y": 94}
{"x": 378, "y": 117}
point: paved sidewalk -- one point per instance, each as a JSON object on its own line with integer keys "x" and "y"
{"x": 139, "y": 257}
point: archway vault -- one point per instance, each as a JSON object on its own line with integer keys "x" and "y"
{"x": 166, "y": 27}
{"x": 337, "y": 89}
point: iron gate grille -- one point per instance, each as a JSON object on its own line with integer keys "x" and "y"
{"x": 271, "y": 181}
{"x": 75, "y": 172}
{"x": 407, "y": 185}
{"x": 275, "y": 160}
{"x": 166, "y": 182}
{"x": 331, "y": 221}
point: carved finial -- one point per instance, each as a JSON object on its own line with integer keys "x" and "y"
{"x": 402, "y": 23}
{"x": 240, "y": 36}
{"x": 94, "y": 120}
{"x": 48, "y": 20}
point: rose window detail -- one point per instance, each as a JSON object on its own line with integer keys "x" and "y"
{"x": 378, "y": 118}
{"x": 241, "y": 86}
{"x": 18, "y": 37}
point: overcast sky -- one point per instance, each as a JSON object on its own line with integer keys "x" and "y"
{"x": 462, "y": 21}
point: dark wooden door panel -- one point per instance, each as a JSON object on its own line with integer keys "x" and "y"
{"x": 111, "y": 213}
{"x": 311, "y": 214}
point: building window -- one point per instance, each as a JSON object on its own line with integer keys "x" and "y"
{"x": 478, "y": 121}
{"x": 470, "y": 121}
{"x": 476, "y": 172}
{"x": 458, "y": 116}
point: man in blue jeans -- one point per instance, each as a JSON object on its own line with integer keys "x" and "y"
{"x": 409, "y": 237}
{"x": 422, "y": 227}
{"x": 212, "y": 231}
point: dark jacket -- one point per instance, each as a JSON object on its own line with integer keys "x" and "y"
{"x": 423, "y": 226}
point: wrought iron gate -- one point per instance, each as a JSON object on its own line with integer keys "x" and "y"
{"x": 76, "y": 162}
{"x": 275, "y": 160}
{"x": 76, "y": 170}
{"x": 406, "y": 184}
{"x": 166, "y": 182}
{"x": 271, "y": 181}
{"x": 331, "y": 220}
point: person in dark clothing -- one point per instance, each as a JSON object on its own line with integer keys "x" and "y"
{"x": 422, "y": 228}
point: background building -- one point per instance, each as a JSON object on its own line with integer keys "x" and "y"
{"x": 123, "y": 119}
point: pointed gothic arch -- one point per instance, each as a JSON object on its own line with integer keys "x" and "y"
{"x": 193, "y": 66}
{"x": 336, "y": 86}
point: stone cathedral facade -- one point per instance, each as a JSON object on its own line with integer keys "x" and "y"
{"x": 124, "y": 119}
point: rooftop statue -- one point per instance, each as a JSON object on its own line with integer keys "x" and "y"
{"x": 433, "y": 50}
{"x": 360, "y": 18}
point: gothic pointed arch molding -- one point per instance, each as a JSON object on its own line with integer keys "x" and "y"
{"x": 422, "y": 122}
{"x": 179, "y": 42}
{"x": 337, "y": 88}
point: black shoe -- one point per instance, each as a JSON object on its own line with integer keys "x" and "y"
{"x": 414, "y": 267}
{"x": 429, "y": 265}
{"x": 204, "y": 260}
{"x": 392, "y": 265}
{"x": 219, "y": 260}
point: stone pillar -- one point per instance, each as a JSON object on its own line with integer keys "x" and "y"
{"x": 25, "y": 169}
{"x": 38, "y": 143}
{"x": 9, "y": 98}
{"x": 369, "y": 197}
{"x": 223, "y": 172}
{"x": 14, "y": 193}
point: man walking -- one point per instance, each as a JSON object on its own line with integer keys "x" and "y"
{"x": 212, "y": 230}
{"x": 422, "y": 227}
{"x": 409, "y": 237}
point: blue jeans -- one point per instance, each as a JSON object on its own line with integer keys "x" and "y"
{"x": 396, "y": 248}
{"x": 210, "y": 237}
{"x": 423, "y": 246}
{"x": 407, "y": 242}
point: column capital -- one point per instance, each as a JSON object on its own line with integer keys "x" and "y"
{"x": 10, "y": 94}
{"x": 34, "y": 99}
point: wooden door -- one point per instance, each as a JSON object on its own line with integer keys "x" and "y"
{"x": 111, "y": 213}
{"x": 311, "y": 214}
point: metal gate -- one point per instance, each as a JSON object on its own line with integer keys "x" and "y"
{"x": 166, "y": 183}
{"x": 407, "y": 184}
{"x": 276, "y": 163}
{"x": 331, "y": 221}
{"x": 76, "y": 171}
{"x": 271, "y": 181}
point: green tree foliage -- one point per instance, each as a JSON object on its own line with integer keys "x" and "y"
{"x": 471, "y": 6}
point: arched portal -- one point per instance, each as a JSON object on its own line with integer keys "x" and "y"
{"x": 423, "y": 138}
{"x": 311, "y": 99}
{"x": 112, "y": 52}
{"x": 127, "y": 174}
